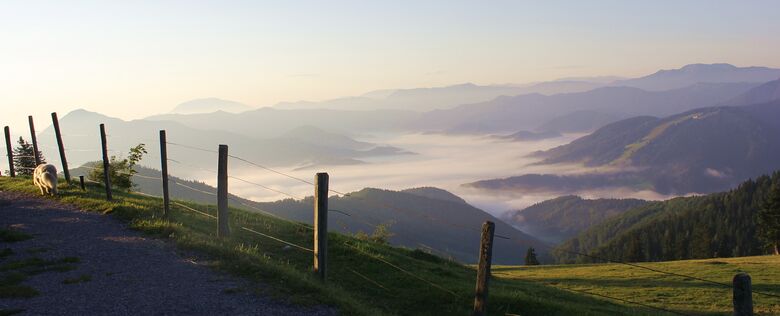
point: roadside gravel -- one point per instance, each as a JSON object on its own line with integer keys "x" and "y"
{"x": 129, "y": 274}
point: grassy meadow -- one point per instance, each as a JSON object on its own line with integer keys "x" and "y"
{"x": 368, "y": 278}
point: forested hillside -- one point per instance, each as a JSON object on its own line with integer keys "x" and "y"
{"x": 564, "y": 217}
{"x": 715, "y": 225}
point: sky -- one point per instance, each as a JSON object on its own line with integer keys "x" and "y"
{"x": 131, "y": 59}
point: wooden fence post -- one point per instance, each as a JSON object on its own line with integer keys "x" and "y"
{"x": 106, "y": 165}
{"x": 743, "y": 295}
{"x": 321, "y": 225}
{"x": 223, "y": 229}
{"x": 10, "y": 152}
{"x": 60, "y": 146}
{"x": 81, "y": 182}
{"x": 483, "y": 270}
{"x": 36, "y": 154}
{"x": 164, "y": 171}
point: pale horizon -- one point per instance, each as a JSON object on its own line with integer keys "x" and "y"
{"x": 134, "y": 60}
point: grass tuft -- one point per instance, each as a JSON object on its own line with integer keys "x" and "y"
{"x": 10, "y": 235}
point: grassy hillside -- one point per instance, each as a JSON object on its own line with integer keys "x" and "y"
{"x": 365, "y": 278}
{"x": 564, "y": 217}
{"x": 428, "y": 218}
{"x": 683, "y": 295}
{"x": 715, "y": 225}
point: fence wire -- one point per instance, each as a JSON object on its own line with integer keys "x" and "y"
{"x": 384, "y": 205}
{"x": 407, "y": 272}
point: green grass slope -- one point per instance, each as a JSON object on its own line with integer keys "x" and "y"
{"x": 683, "y": 295}
{"x": 365, "y": 278}
{"x": 426, "y": 217}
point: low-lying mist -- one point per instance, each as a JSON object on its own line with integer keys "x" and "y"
{"x": 442, "y": 161}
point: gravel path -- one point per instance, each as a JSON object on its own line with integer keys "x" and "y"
{"x": 130, "y": 274}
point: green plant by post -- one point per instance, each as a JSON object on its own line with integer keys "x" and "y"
{"x": 121, "y": 169}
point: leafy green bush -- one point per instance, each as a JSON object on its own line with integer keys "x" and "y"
{"x": 120, "y": 169}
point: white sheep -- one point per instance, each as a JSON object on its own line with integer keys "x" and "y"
{"x": 45, "y": 178}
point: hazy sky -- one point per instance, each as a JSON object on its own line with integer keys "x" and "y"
{"x": 135, "y": 58}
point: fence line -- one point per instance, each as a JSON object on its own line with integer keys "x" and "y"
{"x": 192, "y": 147}
{"x": 266, "y": 187}
{"x": 277, "y": 239}
{"x": 189, "y": 187}
{"x": 271, "y": 170}
{"x": 192, "y": 166}
{"x": 385, "y": 205}
{"x": 367, "y": 279}
{"x": 270, "y": 214}
{"x": 402, "y": 270}
{"x": 193, "y": 210}
{"x": 245, "y": 228}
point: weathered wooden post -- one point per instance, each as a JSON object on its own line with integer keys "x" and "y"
{"x": 9, "y": 152}
{"x": 36, "y": 154}
{"x": 743, "y": 295}
{"x": 81, "y": 182}
{"x": 483, "y": 269}
{"x": 60, "y": 146}
{"x": 164, "y": 170}
{"x": 321, "y": 225}
{"x": 223, "y": 229}
{"x": 106, "y": 164}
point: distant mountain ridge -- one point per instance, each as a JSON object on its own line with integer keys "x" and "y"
{"x": 427, "y": 99}
{"x": 700, "y": 73}
{"x": 764, "y": 93}
{"x": 435, "y": 193}
{"x": 298, "y": 147}
{"x": 703, "y": 150}
{"x": 532, "y": 111}
{"x": 209, "y": 105}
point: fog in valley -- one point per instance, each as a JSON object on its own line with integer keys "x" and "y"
{"x": 442, "y": 161}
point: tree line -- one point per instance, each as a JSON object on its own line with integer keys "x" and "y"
{"x": 742, "y": 222}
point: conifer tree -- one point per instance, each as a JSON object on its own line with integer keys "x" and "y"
{"x": 24, "y": 158}
{"x": 769, "y": 219}
{"x": 530, "y": 257}
{"x": 634, "y": 251}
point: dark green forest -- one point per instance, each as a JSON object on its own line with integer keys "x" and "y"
{"x": 564, "y": 217}
{"x": 710, "y": 226}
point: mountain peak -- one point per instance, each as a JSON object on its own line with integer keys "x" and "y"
{"x": 83, "y": 113}
{"x": 699, "y": 67}
{"x": 701, "y": 73}
{"x": 210, "y": 105}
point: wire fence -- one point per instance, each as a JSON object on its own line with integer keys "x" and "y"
{"x": 364, "y": 219}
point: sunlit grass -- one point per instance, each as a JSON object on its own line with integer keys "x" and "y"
{"x": 673, "y": 292}
{"x": 358, "y": 283}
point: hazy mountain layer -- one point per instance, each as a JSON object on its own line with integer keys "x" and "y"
{"x": 700, "y": 73}
{"x": 302, "y": 146}
{"x": 704, "y": 150}
{"x": 507, "y": 114}
{"x": 209, "y": 105}
{"x": 427, "y": 99}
